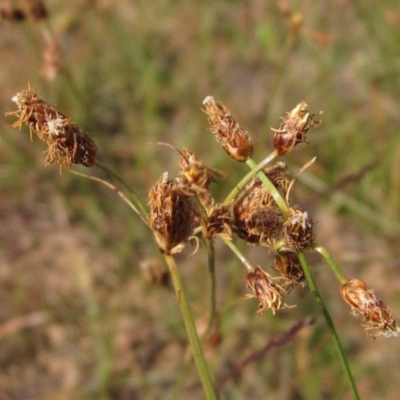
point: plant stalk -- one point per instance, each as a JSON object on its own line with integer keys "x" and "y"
{"x": 191, "y": 330}
{"x": 279, "y": 200}
{"x": 329, "y": 322}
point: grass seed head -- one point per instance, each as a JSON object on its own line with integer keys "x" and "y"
{"x": 278, "y": 175}
{"x": 234, "y": 140}
{"x": 67, "y": 143}
{"x": 265, "y": 290}
{"x": 293, "y": 129}
{"x": 11, "y": 13}
{"x": 218, "y": 223}
{"x": 298, "y": 230}
{"x": 364, "y": 302}
{"x": 37, "y": 9}
{"x": 288, "y": 264}
{"x": 172, "y": 216}
{"x": 257, "y": 218}
{"x": 194, "y": 177}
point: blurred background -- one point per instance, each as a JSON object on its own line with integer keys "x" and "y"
{"x": 82, "y": 314}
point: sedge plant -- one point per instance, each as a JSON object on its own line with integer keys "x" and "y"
{"x": 258, "y": 211}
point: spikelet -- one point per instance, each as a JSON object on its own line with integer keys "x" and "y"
{"x": 67, "y": 143}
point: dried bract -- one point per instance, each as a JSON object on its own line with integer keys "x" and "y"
{"x": 67, "y": 143}
{"x": 363, "y": 301}
{"x": 234, "y": 140}
{"x": 172, "y": 216}
{"x": 293, "y": 129}
{"x": 298, "y": 230}
{"x": 268, "y": 293}
{"x": 257, "y": 220}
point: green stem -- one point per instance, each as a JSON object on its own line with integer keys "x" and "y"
{"x": 121, "y": 180}
{"x": 241, "y": 185}
{"x": 329, "y": 322}
{"x": 279, "y": 200}
{"x": 338, "y": 272}
{"x": 211, "y": 269}
{"x": 145, "y": 218}
{"x": 191, "y": 330}
{"x": 238, "y": 254}
{"x": 213, "y": 301}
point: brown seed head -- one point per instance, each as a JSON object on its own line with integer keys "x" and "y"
{"x": 289, "y": 266}
{"x": 194, "y": 178}
{"x": 293, "y": 129}
{"x": 257, "y": 220}
{"x": 234, "y": 140}
{"x": 67, "y": 143}
{"x": 298, "y": 230}
{"x": 218, "y": 223}
{"x": 172, "y": 216}
{"x": 278, "y": 175}
{"x": 363, "y": 301}
{"x": 268, "y": 293}
{"x": 37, "y": 9}
{"x": 11, "y": 13}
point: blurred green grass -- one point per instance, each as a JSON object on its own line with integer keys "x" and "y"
{"x": 134, "y": 74}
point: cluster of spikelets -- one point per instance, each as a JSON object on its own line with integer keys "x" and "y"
{"x": 66, "y": 142}
{"x": 19, "y": 12}
{"x": 182, "y": 207}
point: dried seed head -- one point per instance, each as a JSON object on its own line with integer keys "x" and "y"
{"x": 293, "y": 129}
{"x": 218, "y": 222}
{"x": 278, "y": 175}
{"x": 172, "y": 216}
{"x": 257, "y": 220}
{"x": 234, "y": 140}
{"x": 67, "y": 143}
{"x": 288, "y": 264}
{"x": 268, "y": 293}
{"x": 11, "y": 13}
{"x": 37, "y": 9}
{"x": 298, "y": 230}
{"x": 194, "y": 178}
{"x": 363, "y": 301}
